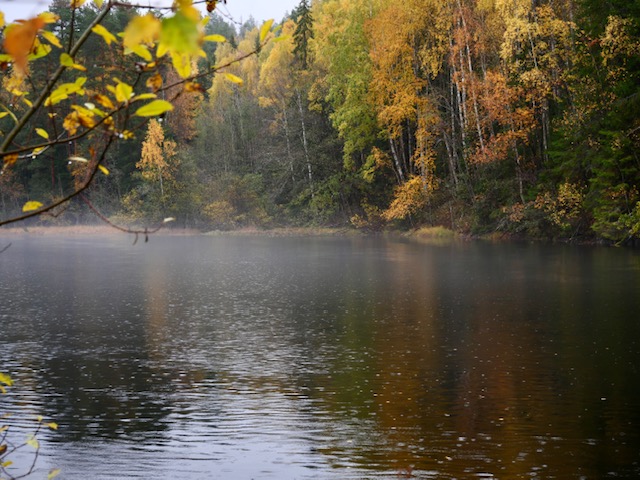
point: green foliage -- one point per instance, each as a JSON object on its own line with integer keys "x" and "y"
{"x": 303, "y": 33}
{"x": 514, "y": 116}
{"x": 237, "y": 202}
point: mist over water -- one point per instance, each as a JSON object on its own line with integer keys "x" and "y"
{"x": 322, "y": 358}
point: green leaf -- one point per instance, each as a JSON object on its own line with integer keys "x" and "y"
{"x": 6, "y": 379}
{"x": 264, "y": 31}
{"x": 157, "y": 107}
{"x": 31, "y": 206}
{"x": 179, "y": 34}
{"x": 43, "y": 133}
{"x": 233, "y": 78}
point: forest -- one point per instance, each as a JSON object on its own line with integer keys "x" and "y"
{"x": 504, "y": 117}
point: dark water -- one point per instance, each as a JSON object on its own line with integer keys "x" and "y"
{"x": 260, "y": 358}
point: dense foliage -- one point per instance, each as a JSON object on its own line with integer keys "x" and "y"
{"x": 479, "y": 115}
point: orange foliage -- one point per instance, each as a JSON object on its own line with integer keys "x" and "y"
{"x": 20, "y": 38}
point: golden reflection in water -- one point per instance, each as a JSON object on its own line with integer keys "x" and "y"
{"x": 405, "y": 351}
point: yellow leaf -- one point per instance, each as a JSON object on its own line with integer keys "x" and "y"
{"x": 157, "y": 107}
{"x": 141, "y": 51}
{"x": 141, "y": 30}
{"x": 104, "y": 33}
{"x": 104, "y": 170}
{"x": 98, "y": 3}
{"x": 2, "y": 22}
{"x": 193, "y": 87}
{"x": 3, "y": 114}
{"x": 104, "y": 101}
{"x": 28, "y": 102}
{"x": 155, "y": 82}
{"x": 6, "y": 379}
{"x": 33, "y": 442}
{"x": 3, "y": 448}
{"x": 7, "y": 464}
{"x": 264, "y": 31}
{"x": 39, "y": 50}
{"x": 43, "y": 133}
{"x": 182, "y": 64}
{"x": 144, "y": 96}
{"x": 71, "y": 123}
{"x": 31, "y": 206}
{"x": 67, "y": 61}
{"x": 54, "y": 425}
{"x": 77, "y": 3}
{"x": 123, "y": 92}
{"x": 51, "y": 38}
{"x": 233, "y": 78}
{"x": 48, "y": 17}
{"x": 37, "y": 151}
{"x": 39, "y": 418}
{"x": 215, "y": 38}
{"x": 56, "y": 471}
{"x": 63, "y": 91}
{"x": 185, "y": 7}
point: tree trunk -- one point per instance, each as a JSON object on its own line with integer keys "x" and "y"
{"x": 305, "y": 145}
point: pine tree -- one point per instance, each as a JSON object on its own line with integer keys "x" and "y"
{"x": 303, "y": 32}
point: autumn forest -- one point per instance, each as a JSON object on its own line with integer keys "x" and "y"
{"x": 510, "y": 117}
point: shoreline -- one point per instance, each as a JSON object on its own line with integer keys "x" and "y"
{"x": 432, "y": 235}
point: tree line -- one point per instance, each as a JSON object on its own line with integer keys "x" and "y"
{"x": 512, "y": 116}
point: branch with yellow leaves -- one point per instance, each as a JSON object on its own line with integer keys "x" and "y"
{"x": 145, "y": 36}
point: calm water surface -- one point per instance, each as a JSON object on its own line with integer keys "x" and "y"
{"x": 310, "y": 358}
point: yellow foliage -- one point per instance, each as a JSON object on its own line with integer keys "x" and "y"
{"x": 220, "y": 212}
{"x": 141, "y": 30}
{"x": 157, "y": 162}
{"x": 562, "y": 207}
{"x": 409, "y": 198}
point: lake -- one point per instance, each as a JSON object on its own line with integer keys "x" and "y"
{"x": 213, "y": 357}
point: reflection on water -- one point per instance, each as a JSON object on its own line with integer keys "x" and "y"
{"x": 212, "y": 357}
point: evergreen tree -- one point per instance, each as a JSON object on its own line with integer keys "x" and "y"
{"x": 303, "y": 32}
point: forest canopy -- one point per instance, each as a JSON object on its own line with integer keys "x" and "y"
{"x": 482, "y": 116}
